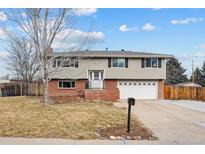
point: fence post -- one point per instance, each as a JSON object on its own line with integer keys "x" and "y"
{"x": 38, "y": 94}
{"x": 21, "y": 88}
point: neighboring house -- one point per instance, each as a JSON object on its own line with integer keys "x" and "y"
{"x": 188, "y": 84}
{"x": 2, "y": 82}
{"x": 108, "y": 75}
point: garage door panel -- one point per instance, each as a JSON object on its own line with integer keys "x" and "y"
{"x": 138, "y": 89}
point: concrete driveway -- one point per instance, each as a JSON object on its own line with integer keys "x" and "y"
{"x": 172, "y": 123}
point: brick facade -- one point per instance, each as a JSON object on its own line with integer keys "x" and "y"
{"x": 160, "y": 89}
{"x": 78, "y": 91}
{"x": 110, "y": 92}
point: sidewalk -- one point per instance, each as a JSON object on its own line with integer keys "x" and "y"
{"x": 53, "y": 141}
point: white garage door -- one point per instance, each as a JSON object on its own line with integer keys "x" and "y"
{"x": 138, "y": 89}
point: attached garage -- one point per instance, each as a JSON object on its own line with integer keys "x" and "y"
{"x": 138, "y": 89}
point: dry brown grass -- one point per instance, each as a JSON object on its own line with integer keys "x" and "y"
{"x": 27, "y": 117}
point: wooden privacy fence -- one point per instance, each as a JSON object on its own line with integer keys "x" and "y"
{"x": 21, "y": 89}
{"x": 185, "y": 93}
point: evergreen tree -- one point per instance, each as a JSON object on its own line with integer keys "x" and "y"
{"x": 198, "y": 77}
{"x": 203, "y": 71}
{"x": 175, "y": 72}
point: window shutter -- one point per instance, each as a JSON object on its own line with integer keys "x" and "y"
{"x": 76, "y": 63}
{"x": 142, "y": 63}
{"x": 54, "y": 63}
{"x": 159, "y": 62}
{"x": 109, "y": 62}
{"x": 126, "y": 62}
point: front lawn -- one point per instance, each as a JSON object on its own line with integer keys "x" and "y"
{"x": 27, "y": 117}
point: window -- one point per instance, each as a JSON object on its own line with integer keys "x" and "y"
{"x": 96, "y": 75}
{"x": 151, "y": 62}
{"x": 66, "y": 84}
{"x": 154, "y": 62}
{"x": 148, "y": 62}
{"x": 118, "y": 62}
{"x": 65, "y": 62}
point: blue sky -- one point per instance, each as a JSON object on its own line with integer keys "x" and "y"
{"x": 180, "y": 32}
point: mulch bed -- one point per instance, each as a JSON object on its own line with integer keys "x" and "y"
{"x": 137, "y": 132}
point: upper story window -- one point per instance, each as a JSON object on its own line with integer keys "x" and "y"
{"x": 65, "y": 62}
{"x": 151, "y": 62}
{"x": 66, "y": 84}
{"x": 118, "y": 62}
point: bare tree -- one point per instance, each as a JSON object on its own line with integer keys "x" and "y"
{"x": 21, "y": 59}
{"x": 43, "y": 26}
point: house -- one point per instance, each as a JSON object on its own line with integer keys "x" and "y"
{"x": 2, "y": 82}
{"x": 107, "y": 75}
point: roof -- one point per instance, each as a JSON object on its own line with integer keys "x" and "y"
{"x": 4, "y": 81}
{"x": 100, "y": 53}
{"x": 188, "y": 84}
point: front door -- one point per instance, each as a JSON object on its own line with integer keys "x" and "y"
{"x": 96, "y": 79}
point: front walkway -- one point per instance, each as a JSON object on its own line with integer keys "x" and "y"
{"x": 172, "y": 124}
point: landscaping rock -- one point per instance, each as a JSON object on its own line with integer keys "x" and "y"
{"x": 129, "y": 137}
{"x": 108, "y": 126}
{"x": 139, "y": 137}
{"x": 119, "y": 138}
{"x": 113, "y": 138}
{"x": 97, "y": 134}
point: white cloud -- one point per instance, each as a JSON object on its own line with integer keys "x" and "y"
{"x": 76, "y": 34}
{"x": 74, "y": 37}
{"x": 186, "y": 59}
{"x": 186, "y": 21}
{"x": 23, "y": 14}
{"x": 2, "y": 32}
{"x": 193, "y": 55}
{"x": 202, "y": 46}
{"x": 3, "y": 54}
{"x": 125, "y": 28}
{"x": 3, "y": 16}
{"x": 156, "y": 9}
{"x": 148, "y": 27}
{"x": 84, "y": 11}
{"x": 200, "y": 54}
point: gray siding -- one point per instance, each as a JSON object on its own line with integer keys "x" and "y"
{"x": 134, "y": 70}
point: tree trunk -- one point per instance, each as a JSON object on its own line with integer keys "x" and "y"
{"x": 46, "y": 98}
